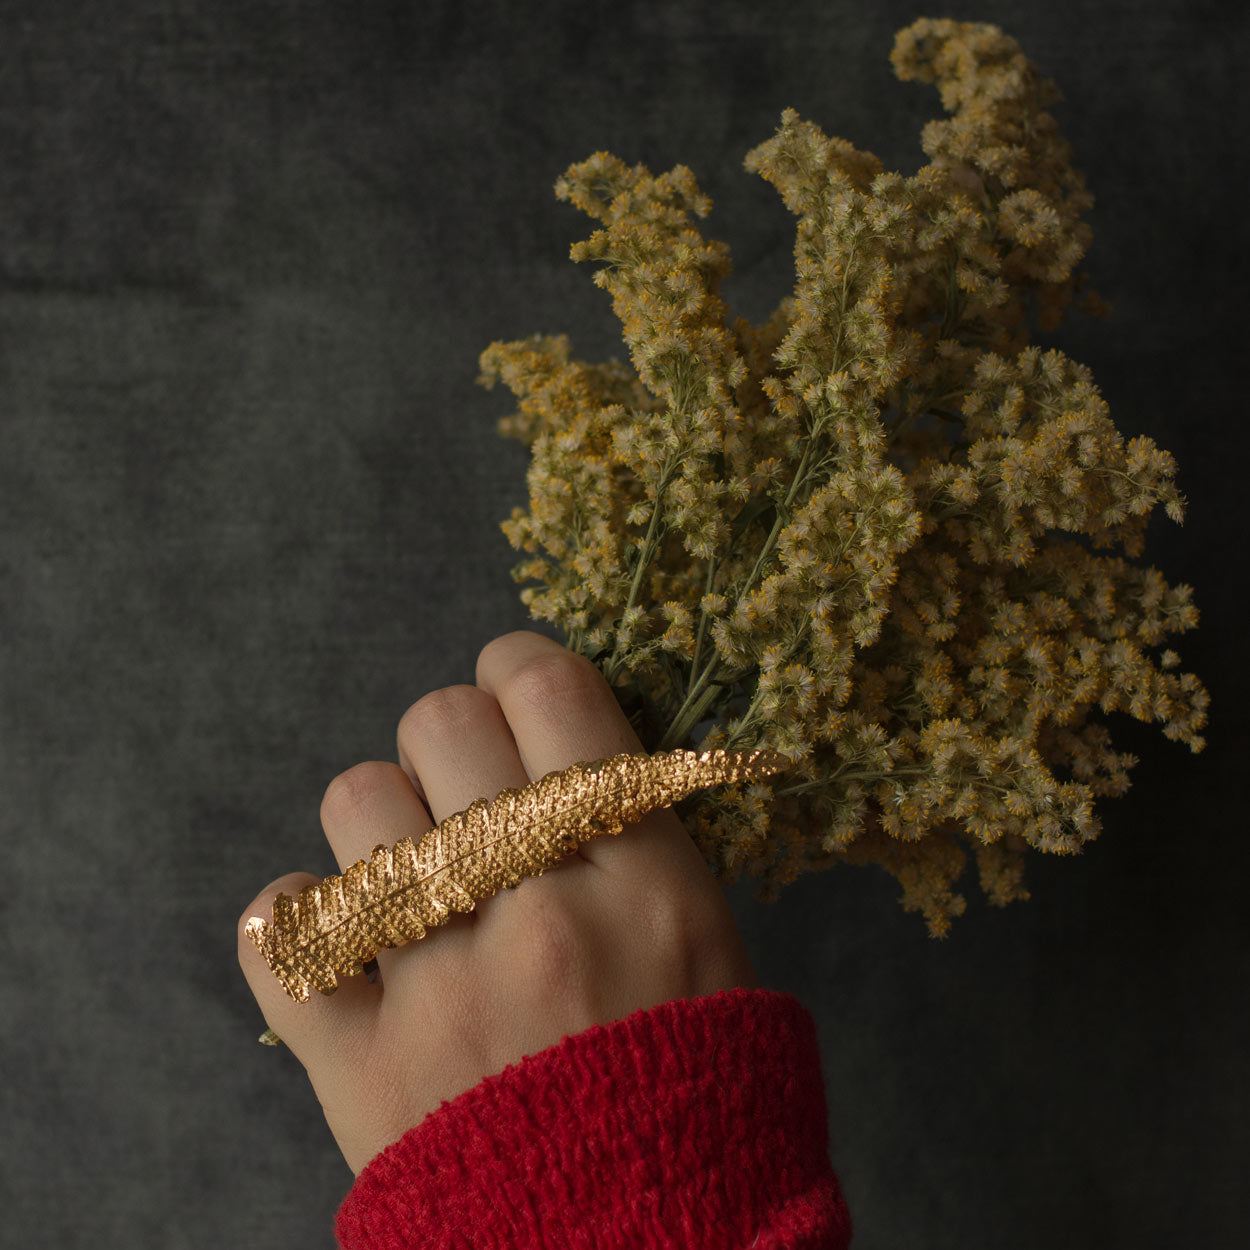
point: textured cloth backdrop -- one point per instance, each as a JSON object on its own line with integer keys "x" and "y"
{"x": 249, "y": 253}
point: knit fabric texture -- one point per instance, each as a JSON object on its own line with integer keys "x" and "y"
{"x": 697, "y": 1124}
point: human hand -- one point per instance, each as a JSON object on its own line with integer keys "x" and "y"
{"x": 626, "y": 923}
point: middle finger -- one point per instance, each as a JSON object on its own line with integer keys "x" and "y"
{"x": 456, "y": 746}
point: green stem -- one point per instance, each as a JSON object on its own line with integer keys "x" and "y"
{"x": 745, "y": 721}
{"x": 819, "y": 783}
{"x": 699, "y": 695}
{"x": 691, "y": 713}
{"x": 703, "y": 617}
{"x": 612, "y": 668}
{"x": 698, "y": 699}
{"x": 783, "y": 516}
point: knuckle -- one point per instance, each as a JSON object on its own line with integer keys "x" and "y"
{"x": 353, "y": 790}
{"x": 555, "y": 953}
{"x": 452, "y": 707}
{"x": 549, "y": 682}
{"x": 682, "y": 920}
{"x": 695, "y": 934}
{"x": 506, "y": 643}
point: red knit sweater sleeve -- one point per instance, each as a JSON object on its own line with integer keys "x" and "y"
{"x": 698, "y": 1124}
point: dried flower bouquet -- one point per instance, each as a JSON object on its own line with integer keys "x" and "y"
{"x": 879, "y": 533}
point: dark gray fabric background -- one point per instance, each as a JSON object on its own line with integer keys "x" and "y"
{"x": 249, "y": 253}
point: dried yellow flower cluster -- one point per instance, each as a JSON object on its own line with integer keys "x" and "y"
{"x": 866, "y": 533}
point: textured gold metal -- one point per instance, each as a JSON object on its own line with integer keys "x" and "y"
{"x": 340, "y": 923}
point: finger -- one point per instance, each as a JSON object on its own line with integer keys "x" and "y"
{"x": 561, "y": 711}
{"x": 328, "y": 1027}
{"x": 458, "y": 744}
{"x": 374, "y": 804}
{"x": 370, "y": 804}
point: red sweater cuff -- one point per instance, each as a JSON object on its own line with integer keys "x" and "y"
{"x": 696, "y": 1123}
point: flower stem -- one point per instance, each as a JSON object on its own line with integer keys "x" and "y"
{"x": 691, "y": 712}
{"x": 697, "y": 699}
{"x": 612, "y": 667}
{"x": 707, "y": 590}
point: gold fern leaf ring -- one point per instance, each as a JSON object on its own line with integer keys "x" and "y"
{"x": 400, "y": 892}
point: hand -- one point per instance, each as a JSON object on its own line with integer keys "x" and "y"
{"x": 628, "y": 922}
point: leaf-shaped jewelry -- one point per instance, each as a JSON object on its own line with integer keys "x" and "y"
{"x": 338, "y": 924}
